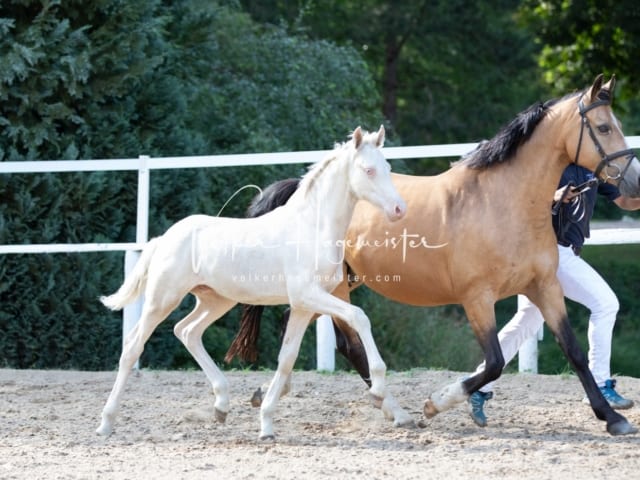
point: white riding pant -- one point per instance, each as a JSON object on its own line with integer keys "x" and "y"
{"x": 582, "y": 284}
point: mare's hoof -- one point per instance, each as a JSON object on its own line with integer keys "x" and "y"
{"x": 376, "y": 400}
{"x": 268, "y": 438}
{"x": 430, "y": 409}
{"x": 221, "y": 416}
{"x": 256, "y": 399}
{"x": 621, "y": 427}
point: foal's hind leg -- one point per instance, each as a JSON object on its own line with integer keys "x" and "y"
{"x": 209, "y": 308}
{"x": 153, "y": 313}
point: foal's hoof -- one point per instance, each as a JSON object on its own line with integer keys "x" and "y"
{"x": 267, "y": 438}
{"x": 621, "y": 427}
{"x": 430, "y": 409}
{"x": 104, "y": 430}
{"x": 256, "y": 399}
{"x": 376, "y": 400}
{"x": 221, "y": 416}
{"x": 404, "y": 423}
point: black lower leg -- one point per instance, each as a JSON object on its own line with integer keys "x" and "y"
{"x": 352, "y": 349}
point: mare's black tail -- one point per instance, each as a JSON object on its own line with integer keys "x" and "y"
{"x": 245, "y": 343}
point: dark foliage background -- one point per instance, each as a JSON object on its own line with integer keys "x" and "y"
{"x": 106, "y": 79}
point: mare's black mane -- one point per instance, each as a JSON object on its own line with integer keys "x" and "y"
{"x": 505, "y": 144}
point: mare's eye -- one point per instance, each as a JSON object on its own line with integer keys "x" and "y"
{"x": 604, "y": 128}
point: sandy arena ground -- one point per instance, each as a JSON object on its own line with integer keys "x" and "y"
{"x": 325, "y": 428}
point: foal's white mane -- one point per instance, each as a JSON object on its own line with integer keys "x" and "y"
{"x": 340, "y": 149}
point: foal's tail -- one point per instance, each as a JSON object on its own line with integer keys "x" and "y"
{"x": 245, "y": 344}
{"x": 135, "y": 282}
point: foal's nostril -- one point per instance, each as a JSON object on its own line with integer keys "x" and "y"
{"x": 399, "y": 211}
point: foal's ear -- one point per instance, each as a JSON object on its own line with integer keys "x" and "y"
{"x": 380, "y": 139}
{"x": 595, "y": 88}
{"x": 357, "y": 137}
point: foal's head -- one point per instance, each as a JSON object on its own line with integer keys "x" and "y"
{"x": 596, "y": 140}
{"x": 369, "y": 173}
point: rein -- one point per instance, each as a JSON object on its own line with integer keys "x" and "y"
{"x": 605, "y": 162}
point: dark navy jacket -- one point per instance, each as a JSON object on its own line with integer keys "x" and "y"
{"x": 571, "y": 223}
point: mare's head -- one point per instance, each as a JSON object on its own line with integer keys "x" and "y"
{"x": 586, "y": 130}
{"x": 595, "y": 139}
{"x": 370, "y": 174}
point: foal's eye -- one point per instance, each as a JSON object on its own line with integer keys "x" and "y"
{"x": 604, "y": 129}
{"x": 370, "y": 171}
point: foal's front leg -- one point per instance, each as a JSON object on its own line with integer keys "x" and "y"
{"x": 296, "y": 326}
{"x": 325, "y": 303}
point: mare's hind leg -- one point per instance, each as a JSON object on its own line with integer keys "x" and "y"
{"x": 350, "y": 346}
{"x": 296, "y": 326}
{"x": 209, "y": 307}
{"x": 481, "y": 316}
{"x": 326, "y": 303}
{"x": 153, "y": 313}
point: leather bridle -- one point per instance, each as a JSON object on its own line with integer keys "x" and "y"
{"x": 605, "y": 162}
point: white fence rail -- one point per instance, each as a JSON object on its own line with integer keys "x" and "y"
{"x": 145, "y": 164}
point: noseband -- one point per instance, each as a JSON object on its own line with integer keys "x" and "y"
{"x": 605, "y": 162}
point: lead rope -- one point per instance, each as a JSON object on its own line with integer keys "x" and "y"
{"x": 572, "y": 214}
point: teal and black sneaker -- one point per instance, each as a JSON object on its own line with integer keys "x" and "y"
{"x": 476, "y": 404}
{"x": 616, "y": 400}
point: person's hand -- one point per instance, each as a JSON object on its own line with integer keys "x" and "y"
{"x": 567, "y": 196}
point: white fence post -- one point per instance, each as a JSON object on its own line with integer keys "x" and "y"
{"x": 325, "y": 344}
{"x": 131, "y": 313}
{"x": 528, "y": 353}
{"x": 142, "y": 221}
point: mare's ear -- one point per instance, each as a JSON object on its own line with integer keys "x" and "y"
{"x": 380, "y": 139}
{"x": 610, "y": 85}
{"x": 595, "y": 88}
{"x": 357, "y": 137}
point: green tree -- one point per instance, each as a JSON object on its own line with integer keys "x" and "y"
{"x": 448, "y": 71}
{"x": 581, "y": 38}
{"x": 64, "y": 95}
{"x": 114, "y": 79}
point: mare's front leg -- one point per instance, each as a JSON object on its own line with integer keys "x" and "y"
{"x": 481, "y": 315}
{"x": 550, "y": 301}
